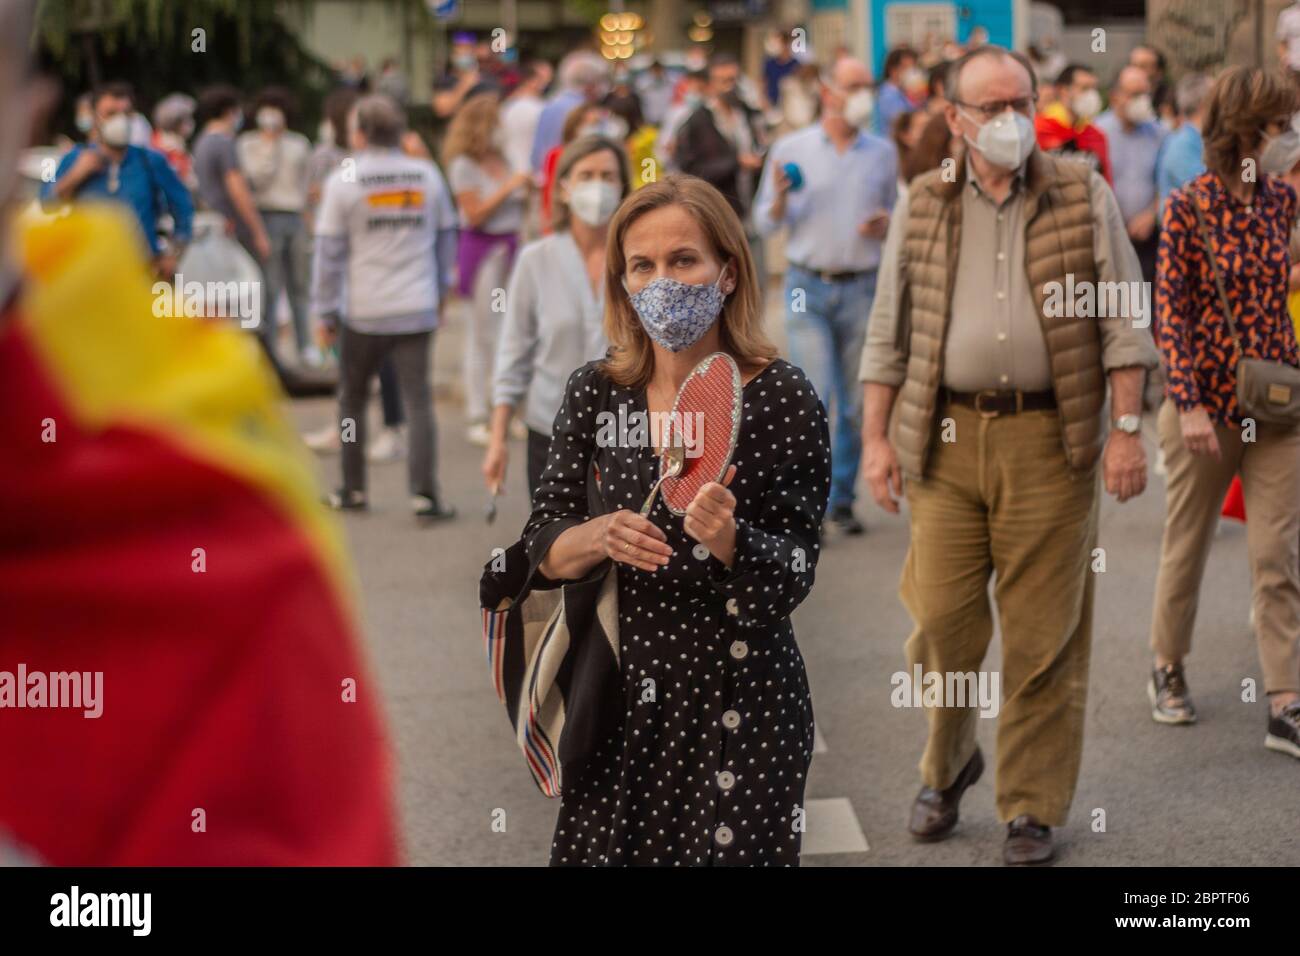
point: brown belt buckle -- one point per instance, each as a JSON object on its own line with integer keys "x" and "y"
{"x": 986, "y": 413}
{"x": 979, "y": 409}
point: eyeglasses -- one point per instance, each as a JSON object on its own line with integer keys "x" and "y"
{"x": 993, "y": 110}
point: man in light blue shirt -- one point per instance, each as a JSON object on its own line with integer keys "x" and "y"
{"x": 891, "y": 101}
{"x": 1133, "y": 138}
{"x": 836, "y": 218}
{"x": 1182, "y": 156}
{"x": 583, "y": 78}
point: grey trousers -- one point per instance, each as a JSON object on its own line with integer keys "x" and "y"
{"x": 285, "y": 270}
{"x": 360, "y": 355}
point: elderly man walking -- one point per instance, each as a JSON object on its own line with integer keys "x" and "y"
{"x": 385, "y": 245}
{"x": 1000, "y": 385}
{"x": 836, "y": 219}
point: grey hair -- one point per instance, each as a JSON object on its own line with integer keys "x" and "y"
{"x": 953, "y": 77}
{"x": 581, "y": 69}
{"x": 172, "y": 111}
{"x": 1191, "y": 92}
{"x": 380, "y": 120}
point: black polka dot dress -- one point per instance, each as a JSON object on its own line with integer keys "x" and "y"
{"x": 708, "y": 763}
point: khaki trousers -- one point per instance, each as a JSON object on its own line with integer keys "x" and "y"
{"x": 1001, "y": 500}
{"x": 1194, "y": 490}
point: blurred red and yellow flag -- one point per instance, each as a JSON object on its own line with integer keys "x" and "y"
{"x": 159, "y": 526}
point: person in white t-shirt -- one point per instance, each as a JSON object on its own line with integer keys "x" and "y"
{"x": 385, "y": 250}
{"x": 519, "y": 114}
{"x": 275, "y": 161}
{"x": 1288, "y": 38}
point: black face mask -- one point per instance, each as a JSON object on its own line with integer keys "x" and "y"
{"x": 733, "y": 100}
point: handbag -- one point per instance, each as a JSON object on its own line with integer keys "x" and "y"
{"x": 553, "y": 652}
{"x": 1267, "y": 391}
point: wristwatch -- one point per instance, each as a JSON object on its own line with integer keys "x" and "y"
{"x": 1128, "y": 424}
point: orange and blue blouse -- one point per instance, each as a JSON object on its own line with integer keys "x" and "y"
{"x": 1250, "y": 242}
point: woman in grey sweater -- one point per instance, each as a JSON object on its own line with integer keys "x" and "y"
{"x": 554, "y": 303}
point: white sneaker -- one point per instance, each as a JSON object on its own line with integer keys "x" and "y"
{"x": 324, "y": 439}
{"x": 311, "y": 357}
{"x": 479, "y": 434}
{"x": 390, "y": 445}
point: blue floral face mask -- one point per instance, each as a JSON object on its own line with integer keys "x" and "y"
{"x": 676, "y": 314}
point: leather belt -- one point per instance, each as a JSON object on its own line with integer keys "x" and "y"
{"x": 827, "y": 276}
{"x": 991, "y": 403}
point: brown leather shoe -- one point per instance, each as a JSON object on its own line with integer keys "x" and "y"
{"x": 934, "y": 812}
{"x": 1028, "y": 842}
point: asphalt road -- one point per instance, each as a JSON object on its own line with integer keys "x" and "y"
{"x": 1206, "y": 794}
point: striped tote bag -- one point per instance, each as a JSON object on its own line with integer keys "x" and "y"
{"x": 553, "y": 659}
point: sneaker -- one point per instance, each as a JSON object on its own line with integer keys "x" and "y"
{"x": 479, "y": 434}
{"x": 430, "y": 509}
{"x": 842, "y": 517}
{"x": 390, "y": 445}
{"x": 324, "y": 439}
{"x": 347, "y": 500}
{"x": 311, "y": 357}
{"x": 1170, "y": 701}
{"x": 518, "y": 430}
{"x": 1284, "y": 731}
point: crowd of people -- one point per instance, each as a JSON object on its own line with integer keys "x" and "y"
{"x": 607, "y": 229}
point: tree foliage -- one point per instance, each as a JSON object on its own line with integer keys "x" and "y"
{"x": 152, "y": 44}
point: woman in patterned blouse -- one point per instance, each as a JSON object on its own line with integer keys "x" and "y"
{"x": 1248, "y": 215}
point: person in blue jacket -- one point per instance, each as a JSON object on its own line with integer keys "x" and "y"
{"x": 108, "y": 168}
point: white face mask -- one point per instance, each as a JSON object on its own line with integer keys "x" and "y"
{"x": 270, "y": 119}
{"x": 1280, "y": 152}
{"x": 116, "y": 130}
{"x": 858, "y": 108}
{"x": 1005, "y": 141}
{"x": 1086, "y": 105}
{"x": 1139, "y": 109}
{"x": 594, "y": 201}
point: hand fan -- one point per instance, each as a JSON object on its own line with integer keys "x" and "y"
{"x": 706, "y": 420}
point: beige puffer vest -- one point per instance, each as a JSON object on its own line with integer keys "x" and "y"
{"x": 1058, "y": 240}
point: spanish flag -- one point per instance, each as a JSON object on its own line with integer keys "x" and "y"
{"x": 164, "y": 562}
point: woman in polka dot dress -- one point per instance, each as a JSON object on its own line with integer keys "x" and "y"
{"x": 708, "y": 761}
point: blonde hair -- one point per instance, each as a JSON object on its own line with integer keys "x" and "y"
{"x": 470, "y": 132}
{"x": 631, "y": 359}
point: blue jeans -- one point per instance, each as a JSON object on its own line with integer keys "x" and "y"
{"x": 825, "y": 340}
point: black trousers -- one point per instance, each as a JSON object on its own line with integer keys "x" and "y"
{"x": 1146, "y": 253}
